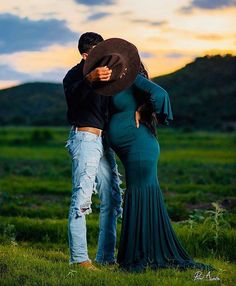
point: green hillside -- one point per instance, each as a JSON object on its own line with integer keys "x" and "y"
{"x": 203, "y": 93}
{"x": 34, "y": 103}
{"x": 203, "y": 96}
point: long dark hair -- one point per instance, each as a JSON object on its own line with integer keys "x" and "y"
{"x": 147, "y": 114}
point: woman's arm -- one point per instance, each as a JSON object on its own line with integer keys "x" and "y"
{"x": 158, "y": 97}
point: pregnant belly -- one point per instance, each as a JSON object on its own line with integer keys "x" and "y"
{"x": 121, "y": 128}
{"x": 125, "y": 138}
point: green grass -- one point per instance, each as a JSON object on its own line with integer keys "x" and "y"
{"x": 199, "y": 239}
{"x": 195, "y": 169}
{"x": 27, "y": 266}
{"x": 32, "y": 185}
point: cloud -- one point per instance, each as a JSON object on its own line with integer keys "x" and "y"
{"x": 95, "y": 2}
{"x": 9, "y": 74}
{"x": 158, "y": 23}
{"x": 146, "y": 55}
{"x": 208, "y": 5}
{"x": 37, "y": 62}
{"x": 210, "y": 37}
{"x": 54, "y": 75}
{"x": 152, "y": 23}
{"x": 97, "y": 16}
{"x": 23, "y": 34}
{"x": 126, "y": 13}
{"x": 175, "y": 55}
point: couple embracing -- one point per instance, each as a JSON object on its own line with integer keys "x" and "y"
{"x": 114, "y": 108}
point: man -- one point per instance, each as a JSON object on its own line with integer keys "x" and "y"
{"x": 93, "y": 164}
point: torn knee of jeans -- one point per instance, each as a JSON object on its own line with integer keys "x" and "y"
{"x": 85, "y": 208}
{"x": 81, "y": 211}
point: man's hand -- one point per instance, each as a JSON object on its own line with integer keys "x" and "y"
{"x": 99, "y": 74}
{"x": 137, "y": 118}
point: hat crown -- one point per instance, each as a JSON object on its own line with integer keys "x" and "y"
{"x": 119, "y": 55}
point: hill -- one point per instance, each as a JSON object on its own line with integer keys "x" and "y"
{"x": 203, "y": 93}
{"x": 203, "y": 96}
{"x": 34, "y": 103}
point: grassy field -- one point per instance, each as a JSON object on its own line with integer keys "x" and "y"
{"x": 197, "y": 177}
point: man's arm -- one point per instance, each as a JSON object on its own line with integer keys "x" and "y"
{"x": 77, "y": 88}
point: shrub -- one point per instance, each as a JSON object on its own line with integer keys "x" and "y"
{"x": 41, "y": 136}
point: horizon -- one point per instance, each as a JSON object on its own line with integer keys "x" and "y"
{"x": 168, "y": 36}
{"x": 60, "y": 82}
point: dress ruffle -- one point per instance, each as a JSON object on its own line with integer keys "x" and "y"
{"x": 147, "y": 236}
{"x": 163, "y": 110}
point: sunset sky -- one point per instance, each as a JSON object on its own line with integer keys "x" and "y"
{"x": 38, "y": 39}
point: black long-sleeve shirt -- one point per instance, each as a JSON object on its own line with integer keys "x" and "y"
{"x": 85, "y": 107}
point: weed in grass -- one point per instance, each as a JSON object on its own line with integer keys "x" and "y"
{"x": 216, "y": 221}
{"x": 196, "y": 217}
{"x": 9, "y": 233}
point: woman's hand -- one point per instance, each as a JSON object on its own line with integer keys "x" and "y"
{"x": 137, "y": 118}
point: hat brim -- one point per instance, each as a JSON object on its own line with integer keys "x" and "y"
{"x": 131, "y": 57}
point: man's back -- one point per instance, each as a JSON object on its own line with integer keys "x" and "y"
{"x": 85, "y": 107}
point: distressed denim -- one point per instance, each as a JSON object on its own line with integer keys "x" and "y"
{"x": 93, "y": 169}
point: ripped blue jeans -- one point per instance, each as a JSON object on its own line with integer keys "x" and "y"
{"x": 93, "y": 168}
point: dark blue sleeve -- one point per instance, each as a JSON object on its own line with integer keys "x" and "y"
{"x": 158, "y": 97}
{"x": 76, "y": 88}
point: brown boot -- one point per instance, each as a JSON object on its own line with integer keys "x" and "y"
{"x": 88, "y": 265}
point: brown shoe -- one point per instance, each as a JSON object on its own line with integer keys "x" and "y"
{"x": 88, "y": 265}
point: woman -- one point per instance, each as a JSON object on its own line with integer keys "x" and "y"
{"x": 147, "y": 237}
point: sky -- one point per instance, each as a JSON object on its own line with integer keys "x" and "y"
{"x": 38, "y": 39}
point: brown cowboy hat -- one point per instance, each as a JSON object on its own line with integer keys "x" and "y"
{"x": 119, "y": 55}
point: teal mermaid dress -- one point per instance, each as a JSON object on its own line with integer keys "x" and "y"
{"x": 147, "y": 237}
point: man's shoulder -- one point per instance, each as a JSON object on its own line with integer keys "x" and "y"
{"x": 77, "y": 71}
